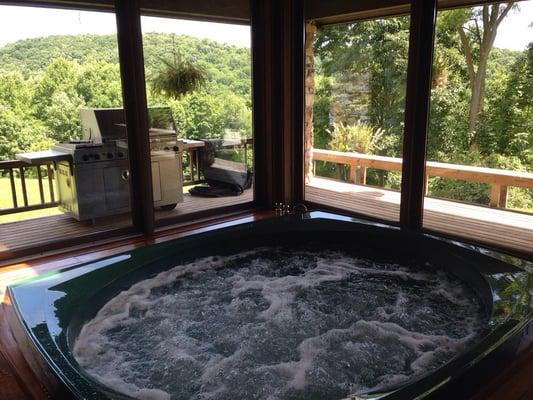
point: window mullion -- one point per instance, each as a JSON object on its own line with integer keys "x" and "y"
{"x": 129, "y": 36}
{"x": 421, "y": 42}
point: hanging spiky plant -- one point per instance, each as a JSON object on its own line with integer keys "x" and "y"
{"x": 177, "y": 77}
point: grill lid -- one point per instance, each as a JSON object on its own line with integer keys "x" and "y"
{"x": 108, "y": 124}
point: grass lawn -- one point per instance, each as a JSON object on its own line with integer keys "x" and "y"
{"x": 32, "y": 187}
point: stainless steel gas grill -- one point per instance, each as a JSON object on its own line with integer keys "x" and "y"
{"x": 95, "y": 182}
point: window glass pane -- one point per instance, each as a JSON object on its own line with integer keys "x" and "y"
{"x": 480, "y": 141}
{"x": 355, "y": 98}
{"x": 55, "y": 66}
{"x": 200, "y": 110}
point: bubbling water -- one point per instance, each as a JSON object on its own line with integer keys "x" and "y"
{"x": 277, "y": 323}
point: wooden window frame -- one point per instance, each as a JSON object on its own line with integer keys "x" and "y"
{"x": 255, "y": 204}
{"x": 131, "y": 61}
{"x": 416, "y": 113}
{"x": 417, "y": 100}
{"x": 130, "y": 12}
{"x": 278, "y": 37}
{"x": 423, "y": 15}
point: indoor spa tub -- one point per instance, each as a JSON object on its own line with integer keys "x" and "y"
{"x": 305, "y": 306}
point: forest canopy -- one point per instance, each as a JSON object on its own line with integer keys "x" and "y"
{"x": 45, "y": 81}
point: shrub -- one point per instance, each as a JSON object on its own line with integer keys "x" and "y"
{"x": 360, "y": 138}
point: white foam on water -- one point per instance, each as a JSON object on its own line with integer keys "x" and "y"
{"x": 271, "y": 324}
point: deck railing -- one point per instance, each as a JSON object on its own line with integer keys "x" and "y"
{"x": 498, "y": 179}
{"x": 17, "y": 172}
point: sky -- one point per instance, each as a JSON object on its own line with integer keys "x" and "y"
{"x": 514, "y": 32}
{"x": 28, "y": 22}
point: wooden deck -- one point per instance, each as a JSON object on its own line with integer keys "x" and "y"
{"x": 487, "y": 225}
{"x": 194, "y": 204}
{"x": 498, "y": 227}
{"x": 21, "y": 235}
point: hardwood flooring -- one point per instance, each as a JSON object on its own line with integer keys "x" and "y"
{"x": 503, "y": 228}
{"x": 17, "y": 237}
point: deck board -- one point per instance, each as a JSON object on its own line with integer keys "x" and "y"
{"x": 503, "y": 228}
{"x": 20, "y": 235}
{"x": 487, "y": 225}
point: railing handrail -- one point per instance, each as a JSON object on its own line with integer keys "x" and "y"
{"x": 433, "y": 168}
{"x": 7, "y": 164}
{"x": 499, "y": 179}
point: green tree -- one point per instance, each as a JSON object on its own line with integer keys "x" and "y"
{"x": 377, "y": 49}
{"x": 18, "y": 134}
{"x": 207, "y": 114}
{"x": 98, "y": 84}
{"x": 60, "y": 76}
{"x": 15, "y": 91}
{"x": 506, "y": 127}
{"x": 44, "y": 82}
{"x": 61, "y": 116}
{"x": 477, "y": 35}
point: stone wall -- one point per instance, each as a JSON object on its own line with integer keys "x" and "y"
{"x": 350, "y": 97}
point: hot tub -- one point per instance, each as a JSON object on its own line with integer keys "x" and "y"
{"x": 52, "y": 311}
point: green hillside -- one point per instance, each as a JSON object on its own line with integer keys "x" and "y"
{"x": 227, "y": 65}
{"x": 44, "y": 82}
{"x": 32, "y": 56}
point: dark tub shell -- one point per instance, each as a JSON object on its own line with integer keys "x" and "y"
{"x": 50, "y": 309}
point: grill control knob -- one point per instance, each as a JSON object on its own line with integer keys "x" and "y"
{"x": 109, "y": 155}
{"x": 96, "y": 156}
{"x": 120, "y": 154}
{"x": 85, "y": 157}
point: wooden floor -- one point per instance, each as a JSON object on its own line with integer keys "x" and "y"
{"x": 194, "y": 204}
{"x": 20, "y": 235}
{"x": 487, "y": 225}
{"x": 503, "y": 228}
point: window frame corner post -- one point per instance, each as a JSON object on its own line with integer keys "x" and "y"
{"x": 261, "y": 31}
{"x": 421, "y": 47}
{"x": 298, "y": 100}
{"x": 278, "y": 79}
{"x": 131, "y": 59}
